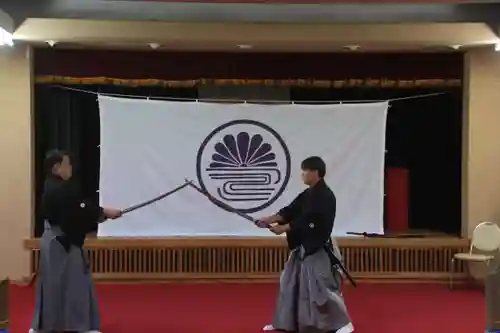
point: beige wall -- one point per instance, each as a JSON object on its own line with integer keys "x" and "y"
{"x": 481, "y": 163}
{"x": 16, "y": 209}
{"x": 481, "y": 148}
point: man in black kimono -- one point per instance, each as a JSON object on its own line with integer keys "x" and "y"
{"x": 309, "y": 299}
{"x": 65, "y": 295}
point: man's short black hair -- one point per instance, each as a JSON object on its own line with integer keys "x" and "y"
{"x": 314, "y": 163}
{"x": 52, "y": 158}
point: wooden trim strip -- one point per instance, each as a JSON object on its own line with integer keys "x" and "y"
{"x": 310, "y": 83}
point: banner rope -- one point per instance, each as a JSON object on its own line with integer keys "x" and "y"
{"x": 238, "y": 101}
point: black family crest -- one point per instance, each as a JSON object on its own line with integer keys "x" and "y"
{"x": 245, "y": 164}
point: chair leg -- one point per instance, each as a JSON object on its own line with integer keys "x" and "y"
{"x": 487, "y": 264}
{"x": 468, "y": 272}
{"x": 452, "y": 272}
{"x": 486, "y": 273}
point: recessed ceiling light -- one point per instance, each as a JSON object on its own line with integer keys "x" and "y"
{"x": 245, "y": 46}
{"x": 154, "y": 46}
{"x": 6, "y": 38}
{"x": 352, "y": 47}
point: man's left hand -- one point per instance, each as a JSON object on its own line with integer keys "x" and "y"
{"x": 278, "y": 229}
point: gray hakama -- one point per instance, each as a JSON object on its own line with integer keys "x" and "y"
{"x": 310, "y": 298}
{"x": 65, "y": 294}
{"x": 492, "y": 295}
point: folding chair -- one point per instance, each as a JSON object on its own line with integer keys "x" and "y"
{"x": 485, "y": 239}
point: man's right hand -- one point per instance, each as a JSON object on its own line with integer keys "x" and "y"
{"x": 112, "y": 213}
{"x": 264, "y": 222}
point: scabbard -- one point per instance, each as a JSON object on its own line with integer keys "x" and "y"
{"x": 337, "y": 263}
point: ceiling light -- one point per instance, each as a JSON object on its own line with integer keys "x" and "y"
{"x": 352, "y": 47}
{"x": 497, "y": 47}
{"x": 6, "y": 38}
{"x": 455, "y": 47}
{"x": 154, "y": 46}
{"x": 245, "y": 46}
{"x": 51, "y": 43}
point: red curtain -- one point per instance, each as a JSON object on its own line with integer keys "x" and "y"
{"x": 397, "y": 200}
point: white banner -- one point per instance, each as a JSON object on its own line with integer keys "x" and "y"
{"x": 246, "y": 155}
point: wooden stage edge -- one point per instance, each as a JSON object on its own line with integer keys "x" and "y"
{"x": 260, "y": 259}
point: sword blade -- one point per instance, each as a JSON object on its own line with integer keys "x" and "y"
{"x": 155, "y": 199}
{"x": 222, "y": 204}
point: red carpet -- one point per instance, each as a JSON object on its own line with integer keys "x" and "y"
{"x": 245, "y": 308}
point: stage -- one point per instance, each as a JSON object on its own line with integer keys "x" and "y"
{"x": 247, "y": 307}
{"x": 197, "y": 301}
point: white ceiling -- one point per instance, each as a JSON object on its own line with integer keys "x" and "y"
{"x": 259, "y": 36}
{"x": 6, "y": 22}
